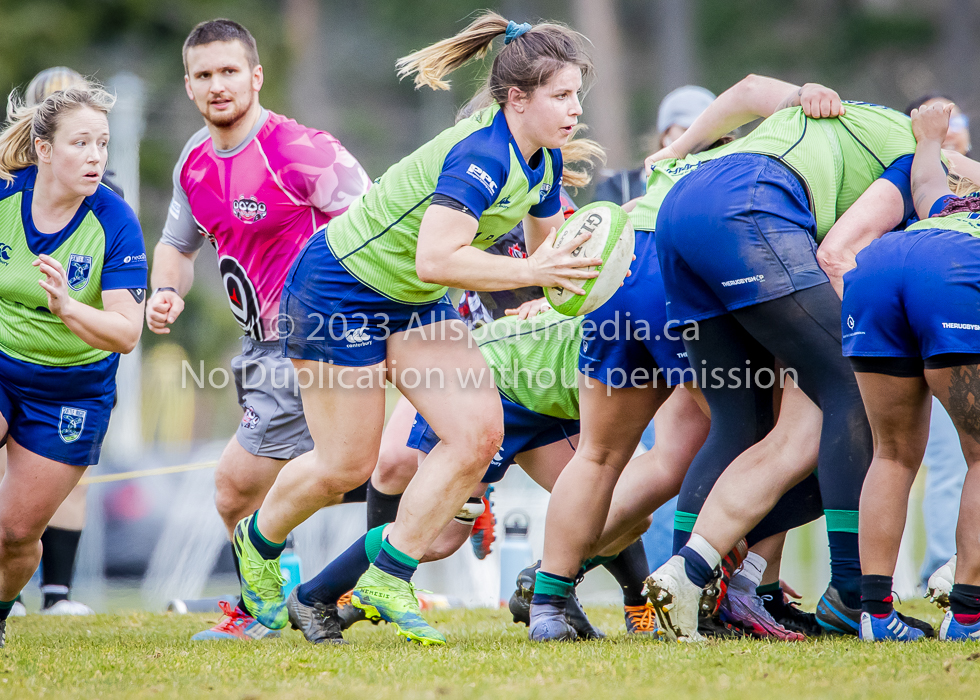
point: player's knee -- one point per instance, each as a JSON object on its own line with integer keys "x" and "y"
{"x": 396, "y": 466}
{"x": 332, "y": 479}
{"x": 18, "y": 537}
{"x": 641, "y": 527}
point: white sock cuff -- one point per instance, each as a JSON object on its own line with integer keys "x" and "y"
{"x": 753, "y": 568}
{"x": 707, "y": 552}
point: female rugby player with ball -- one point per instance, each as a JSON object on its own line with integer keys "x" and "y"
{"x": 71, "y": 299}
{"x": 367, "y": 297}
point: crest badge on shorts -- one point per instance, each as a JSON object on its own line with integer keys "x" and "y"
{"x": 79, "y": 271}
{"x": 71, "y": 424}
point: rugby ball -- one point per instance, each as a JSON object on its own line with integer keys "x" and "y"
{"x": 612, "y": 242}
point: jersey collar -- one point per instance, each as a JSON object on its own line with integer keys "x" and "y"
{"x": 259, "y": 123}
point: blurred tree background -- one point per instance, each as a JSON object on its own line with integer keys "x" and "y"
{"x": 330, "y": 65}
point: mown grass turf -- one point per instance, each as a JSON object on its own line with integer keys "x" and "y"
{"x": 150, "y": 656}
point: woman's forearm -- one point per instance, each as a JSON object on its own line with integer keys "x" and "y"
{"x": 752, "y": 97}
{"x": 103, "y": 330}
{"x": 474, "y": 269}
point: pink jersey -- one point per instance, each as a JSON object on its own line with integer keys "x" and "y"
{"x": 258, "y": 204}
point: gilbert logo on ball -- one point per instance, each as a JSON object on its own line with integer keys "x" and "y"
{"x": 612, "y": 242}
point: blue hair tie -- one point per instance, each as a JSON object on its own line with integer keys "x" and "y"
{"x": 514, "y": 30}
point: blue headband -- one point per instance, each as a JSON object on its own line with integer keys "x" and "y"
{"x": 514, "y": 30}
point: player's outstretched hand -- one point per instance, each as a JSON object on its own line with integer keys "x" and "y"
{"x": 162, "y": 309}
{"x": 930, "y": 123}
{"x": 561, "y": 267}
{"x": 819, "y": 102}
{"x": 529, "y": 309}
{"x": 55, "y": 283}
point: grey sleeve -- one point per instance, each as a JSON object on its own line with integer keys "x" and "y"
{"x": 181, "y": 230}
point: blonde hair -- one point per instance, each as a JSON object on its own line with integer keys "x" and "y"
{"x": 586, "y": 152}
{"x": 527, "y": 62}
{"x": 27, "y": 123}
{"x": 961, "y": 186}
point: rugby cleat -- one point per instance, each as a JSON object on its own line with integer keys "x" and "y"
{"x": 676, "y": 600}
{"x": 261, "y": 579}
{"x": 482, "y": 536}
{"x": 714, "y": 592}
{"x": 837, "y": 618}
{"x": 887, "y": 629}
{"x": 385, "y": 597}
{"x": 550, "y": 624}
{"x": 520, "y": 606}
{"x": 235, "y": 625}
{"x": 791, "y": 617}
{"x": 319, "y": 623}
{"x": 349, "y": 615}
{"x": 953, "y": 631}
{"x": 743, "y": 606}
{"x": 941, "y": 584}
{"x": 3, "y": 633}
{"x": 641, "y": 620}
{"x": 714, "y": 627}
{"x": 68, "y": 607}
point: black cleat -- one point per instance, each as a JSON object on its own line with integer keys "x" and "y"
{"x": 792, "y": 618}
{"x": 714, "y": 627}
{"x": 319, "y": 623}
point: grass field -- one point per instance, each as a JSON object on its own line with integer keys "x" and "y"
{"x": 149, "y": 656}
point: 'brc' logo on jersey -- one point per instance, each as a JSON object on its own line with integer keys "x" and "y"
{"x": 248, "y": 209}
{"x": 79, "y": 271}
{"x": 5, "y": 251}
{"x": 481, "y": 175}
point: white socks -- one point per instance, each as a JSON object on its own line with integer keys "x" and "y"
{"x": 707, "y": 552}
{"x": 753, "y": 568}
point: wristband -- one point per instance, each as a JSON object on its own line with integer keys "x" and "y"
{"x": 164, "y": 289}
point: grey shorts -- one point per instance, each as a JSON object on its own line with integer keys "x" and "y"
{"x": 273, "y": 424}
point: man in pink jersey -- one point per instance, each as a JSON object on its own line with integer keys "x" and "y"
{"x": 256, "y": 185}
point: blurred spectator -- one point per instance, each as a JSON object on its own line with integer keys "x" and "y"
{"x": 677, "y": 112}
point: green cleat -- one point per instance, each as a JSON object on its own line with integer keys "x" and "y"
{"x": 261, "y": 580}
{"x": 385, "y": 597}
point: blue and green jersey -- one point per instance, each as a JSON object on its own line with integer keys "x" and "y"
{"x": 101, "y": 248}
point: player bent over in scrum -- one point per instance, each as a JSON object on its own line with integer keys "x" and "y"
{"x": 909, "y": 326}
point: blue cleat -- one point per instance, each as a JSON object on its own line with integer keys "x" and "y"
{"x": 953, "y": 631}
{"x": 887, "y": 629}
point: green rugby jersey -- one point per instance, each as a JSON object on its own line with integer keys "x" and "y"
{"x": 835, "y": 159}
{"x": 478, "y": 164}
{"x": 101, "y": 248}
{"x": 966, "y": 222}
{"x": 665, "y": 175}
{"x": 535, "y": 362}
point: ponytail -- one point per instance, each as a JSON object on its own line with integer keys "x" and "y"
{"x": 25, "y": 124}
{"x": 434, "y": 62}
{"x": 585, "y": 151}
{"x": 17, "y": 140}
{"x": 530, "y": 57}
